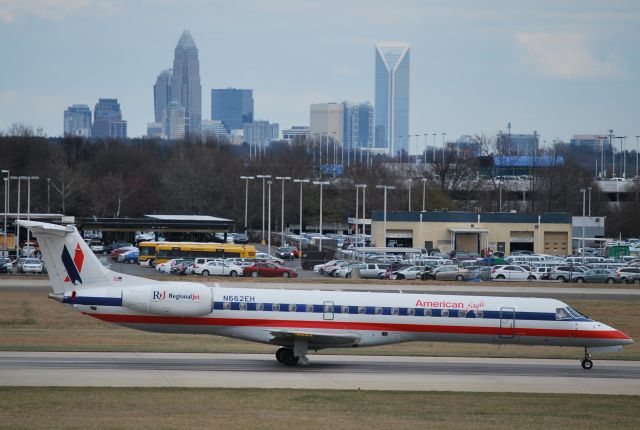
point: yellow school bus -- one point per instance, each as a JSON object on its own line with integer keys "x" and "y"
{"x": 165, "y": 251}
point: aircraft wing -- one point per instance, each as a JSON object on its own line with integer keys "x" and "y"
{"x": 315, "y": 337}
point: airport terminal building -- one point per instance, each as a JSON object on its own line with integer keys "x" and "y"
{"x": 548, "y": 233}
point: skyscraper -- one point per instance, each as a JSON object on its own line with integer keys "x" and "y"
{"x": 358, "y": 125}
{"x": 259, "y": 134}
{"x": 327, "y": 119}
{"x": 392, "y": 97}
{"x": 176, "y": 121}
{"x": 108, "y": 122}
{"x": 77, "y": 121}
{"x": 185, "y": 83}
{"x": 162, "y": 95}
{"x": 232, "y": 106}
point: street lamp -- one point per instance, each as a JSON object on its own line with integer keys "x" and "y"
{"x": 364, "y": 200}
{"x": 49, "y": 197}
{"x": 6, "y": 203}
{"x": 637, "y": 137}
{"x": 424, "y": 192}
{"x": 29, "y": 178}
{"x": 434, "y": 147}
{"x": 282, "y": 178}
{"x": 583, "y": 191}
{"x": 269, "y": 226}
{"x": 301, "y": 181}
{"x": 385, "y": 188}
{"x": 18, "y": 178}
{"x": 321, "y": 183}
{"x": 421, "y": 239}
{"x": 589, "y": 188}
{"x": 443, "y": 135}
{"x": 425, "y": 148}
{"x": 263, "y": 177}
{"x": 623, "y": 159}
{"x": 246, "y": 197}
{"x": 410, "y": 184}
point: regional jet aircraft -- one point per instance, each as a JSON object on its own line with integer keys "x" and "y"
{"x": 299, "y": 321}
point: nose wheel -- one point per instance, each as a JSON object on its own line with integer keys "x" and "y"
{"x": 586, "y": 362}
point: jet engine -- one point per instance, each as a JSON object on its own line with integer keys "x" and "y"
{"x": 180, "y": 300}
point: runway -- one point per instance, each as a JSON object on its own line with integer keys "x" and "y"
{"x": 324, "y": 372}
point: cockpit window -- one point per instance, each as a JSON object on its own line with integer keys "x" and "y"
{"x": 562, "y": 314}
{"x": 575, "y": 313}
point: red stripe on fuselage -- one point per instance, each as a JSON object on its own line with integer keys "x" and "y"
{"x": 373, "y": 326}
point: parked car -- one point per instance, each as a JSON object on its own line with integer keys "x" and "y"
{"x": 286, "y": 253}
{"x": 28, "y": 251}
{"x": 628, "y": 274}
{"x": 268, "y": 258}
{"x": 411, "y": 272}
{"x": 541, "y": 272}
{"x": 240, "y": 238}
{"x": 29, "y": 265}
{"x": 218, "y": 268}
{"x": 448, "y": 273}
{"x": 564, "y": 273}
{"x": 6, "y": 266}
{"x": 595, "y": 275}
{"x": 167, "y": 265}
{"x": 130, "y": 256}
{"x": 115, "y": 245}
{"x": 511, "y": 273}
{"x": 318, "y": 267}
{"x": 96, "y": 245}
{"x": 117, "y": 252}
{"x": 269, "y": 270}
{"x": 372, "y": 270}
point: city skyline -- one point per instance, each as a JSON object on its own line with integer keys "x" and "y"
{"x": 559, "y": 69}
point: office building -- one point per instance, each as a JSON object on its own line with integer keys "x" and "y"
{"x": 591, "y": 142}
{"x": 214, "y": 129}
{"x": 327, "y": 119}
{"x": 162, "y": 95}
{"x": 108, "y": 122}
{"x": 156, "y": 130}
{"x": 185, "y": 83}
{"x": 232, "y": 106}
{"x": 466, "y": 145}
{"x": 392, "y": 97}
{"x": 358, "y": 125}
{"x": 296, "y": 132}
{"x": 77, "y": 121}
{"x": 176, "y": 121}
{"x": 259, "y": 134}
{"x": 517, "y": 144}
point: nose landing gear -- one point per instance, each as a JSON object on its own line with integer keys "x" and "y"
{"x": 586, "y": 362}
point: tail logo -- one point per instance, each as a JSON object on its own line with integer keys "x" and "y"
{"x": 73, "y": 265}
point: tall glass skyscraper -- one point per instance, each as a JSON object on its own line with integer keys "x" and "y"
{"x": 185, "y": 84}
{"x": 358, "y": 125}
{"x": 392, "y": 97}
{"x": 107, "y": 120}
{"x": 77, "y": 121}
{"x": 232, "y": 106}
{"x": 162, "y": 95}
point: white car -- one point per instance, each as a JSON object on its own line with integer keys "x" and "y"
{"x": 317, "y": 267}
{"x": 269, "y": 258}
{"x": 29, "y": 265}
{"x": 218, "y": 268}
{"x": 166, "y": 266}
{"x": 407, "y": 273}
{"x": 511, "y": 273}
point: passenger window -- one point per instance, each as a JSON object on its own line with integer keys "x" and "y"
{"x": 226, "y": 306}
{"x": 345, "y": 309}
{"x": 444, "y": 313}
{"x": 378, "y": 311}
{"x": 395, "y": 311}
{"x": 275, "y": 307}
{"x": 243, "y": 306}
{"x": 362, "y": 310}
{"x": 259, "y": 306}
{"x": 479, "y": 314}
{"x": 328, "y": 308}
{"x": 427, "y": 312}
{"x": 461, "y": 313}
{"x": 309, "y": 308}
{"x": 562, "y": 314}
{"x": 411, "y": 312}
{"x": 292, "y": 307}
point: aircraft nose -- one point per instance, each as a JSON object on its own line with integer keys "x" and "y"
{"x": 624, "y": 338}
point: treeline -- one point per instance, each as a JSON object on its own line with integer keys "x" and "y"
{"x": 109, "y": 178}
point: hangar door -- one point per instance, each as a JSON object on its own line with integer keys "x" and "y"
{"x": 556, "y": 243}
{"x": 521, "y": 241}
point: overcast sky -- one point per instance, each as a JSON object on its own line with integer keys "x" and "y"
{"x": 558, "y": 67}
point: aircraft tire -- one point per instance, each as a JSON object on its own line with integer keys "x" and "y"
{"x": 279, "y": 355}
{"x": 587, "y": 364}
{"x": 286, "y": 357}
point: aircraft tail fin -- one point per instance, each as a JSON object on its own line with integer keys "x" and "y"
{"x": 70, "y": 262}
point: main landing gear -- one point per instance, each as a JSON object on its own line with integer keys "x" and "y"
{"x": 295, "y": 355}
{"x": 285, "y": 356}
{"x": 586, "y": 362}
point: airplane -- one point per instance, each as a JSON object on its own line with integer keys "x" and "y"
{"x": 300, "y": 321}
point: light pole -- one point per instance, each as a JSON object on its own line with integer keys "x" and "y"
{"x": 301, "y": 181}
{"x": 421, "y": 239}
{"x": 282, "y": 178}
{"x": 321, "y": 183}
{"x": 6, "y": 203}
{"x": 434, "y": 147}
{"x": 443, "y": 135}
{"x": 623, "y": 158}
{"x": 637, "y": 137}
{"x": 583, "y": 191}
{"x": 410, "y": 184}
{"x": 364, "y": 211}
{"x": 385, "y": 188}
{"x": 425, "y": 148}
{"x": 263, "y": 177}
{"x": 269, "y": 226}
{"x": 246, "y": 197}
{"x": 29, "y": 178}
{"x": 424, "y": 193}
{"x": 49, "y": 197}
{"x": 18, "y": 178}
{"x": 589, "y": 188}
{"x": 364, "y": 189}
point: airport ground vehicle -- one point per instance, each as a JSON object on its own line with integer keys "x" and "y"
{"x": 299, "y": 321}
{"x": 269, "y": 270}
{"x": 166, "y": 251}
{"x": 218, "y": 268}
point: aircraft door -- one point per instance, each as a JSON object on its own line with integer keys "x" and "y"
{"x": 327, "y": 311}
{"x": 507, "y": 323}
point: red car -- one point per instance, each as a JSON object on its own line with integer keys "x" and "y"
{"x": 269, "y": 270}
